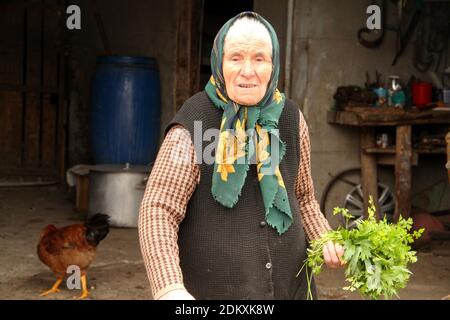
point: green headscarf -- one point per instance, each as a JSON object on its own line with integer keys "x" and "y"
{"x": 234, "y": 151}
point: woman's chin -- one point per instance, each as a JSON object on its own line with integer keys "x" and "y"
{"x": 247, "y": 101}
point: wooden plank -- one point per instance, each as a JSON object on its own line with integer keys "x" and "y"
{"x": 61, "y": 111}
{"x": 11, "y": 49}
{"x": 11, "y": 44}
{"x": 61, "y": 82}
{"x": 29, "y": 88}
{"x": 100, "y": 27}
{"x": 30, "y": 173}
{"x": 196, "y": 26}
{"x": 28, "y": 113}
{"x": 10, "y": 128}
{"x": 61, "y": 141}
{"x": 403, "y": 172}
{"x": 354, "y": 118}
{"x": 391, "y": 150}
{"x": 32, "y": 100}
{"x": 33, "y": 4}
{"x": 187, "y": 70}
{"x": 62, "y": 103}
{"x": 369, "y": 174}
{"x": 32, "y": 130}
{"x": 52, "y": 44}
{"x": 343, "y": 117}
{"x": 49, "y": 78}
{"x": 390, "y": 159}
{"x": 48, "y": 147}
{"x": 82, "y": 194}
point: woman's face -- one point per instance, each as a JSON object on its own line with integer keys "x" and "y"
{"x": 247, "y": 67}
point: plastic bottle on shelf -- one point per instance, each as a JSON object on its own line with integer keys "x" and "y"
{"x": 396, "y": 96}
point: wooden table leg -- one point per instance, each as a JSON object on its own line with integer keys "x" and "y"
{"x": 82, "y": 194}
{"x": 403, "y": 158}
{"x": 369, "y": 175}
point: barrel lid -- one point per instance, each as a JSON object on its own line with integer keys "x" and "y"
{"x": 117, "y": 168}
{"x": 114, "y": 59}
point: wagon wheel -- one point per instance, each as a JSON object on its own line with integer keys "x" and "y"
{"x": 350, "y": 182}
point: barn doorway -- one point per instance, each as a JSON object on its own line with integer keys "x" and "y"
{"x": 214, "y": 17}
{"x": 197, "y": 25}
{"x": 32, "y": 135}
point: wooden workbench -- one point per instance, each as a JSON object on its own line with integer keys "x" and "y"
{"x": 402, "y": 156}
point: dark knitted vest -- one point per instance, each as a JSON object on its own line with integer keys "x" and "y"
{"x": 232, "y": 253}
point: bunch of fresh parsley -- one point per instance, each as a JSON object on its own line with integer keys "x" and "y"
{"x": 376, "y": 254}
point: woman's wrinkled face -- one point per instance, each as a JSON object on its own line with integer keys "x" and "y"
{"x": 247, "y": 67}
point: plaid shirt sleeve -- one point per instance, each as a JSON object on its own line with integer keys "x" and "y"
{"x": 171, "y": 184}
{"x": 314, "y": 221}
{"x": 172, "y": 181}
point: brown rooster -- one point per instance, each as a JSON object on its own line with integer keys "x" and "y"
{"x": 76, "y": 245}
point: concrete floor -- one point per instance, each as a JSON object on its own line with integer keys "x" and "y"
{"x": 118, "y": 271}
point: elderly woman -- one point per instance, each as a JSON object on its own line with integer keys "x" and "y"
{"x": 233, "y": 229}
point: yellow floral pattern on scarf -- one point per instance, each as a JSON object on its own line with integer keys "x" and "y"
{"x": 262, "y": 155}
{"x": 230, "y": 148}
{"x": 277, "y": 96}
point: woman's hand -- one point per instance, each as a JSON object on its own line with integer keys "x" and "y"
{"x": 177, "y": 294}
{"x": 332, "y": 254}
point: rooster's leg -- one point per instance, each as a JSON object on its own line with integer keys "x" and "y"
{"x": 85, "y": 292}
{"x": 53, "y": 289}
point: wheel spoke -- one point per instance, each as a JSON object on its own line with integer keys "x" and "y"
{"x": 384, "y": 195}
{"x": 356, "y": 213}
{"x": 353, "y": 201}
{"x": 388, "y": 207}
{"x": 360, "y": 192}
{"x": 353, "y": 223}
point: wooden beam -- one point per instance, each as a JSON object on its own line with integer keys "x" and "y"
{"x": 100, "y": 27}
{"x": 82, "y": 194}
{"x": 390, "y": 159}
{"x": 14, "y": 171}
{"x": 12, "y": 55}
{"x": 369, "y": 175}
{"x": 49, "y": 78}
{"x": 391, "y": 150}
{"x": 403, "y": 172}
{"x": 386, "y": 117}
{"x": 189, "y": 28}
{"x": 62, "y": 118}
{"x": 32, "y": 79}
{"x": 34, "y": 89}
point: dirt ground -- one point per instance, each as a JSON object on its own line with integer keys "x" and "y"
{"x": 118, "y": 271}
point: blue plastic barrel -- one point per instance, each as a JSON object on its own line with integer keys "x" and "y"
{"x": 125, "y": 110}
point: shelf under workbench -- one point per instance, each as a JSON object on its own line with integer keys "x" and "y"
{"x": 367, "y": 118}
